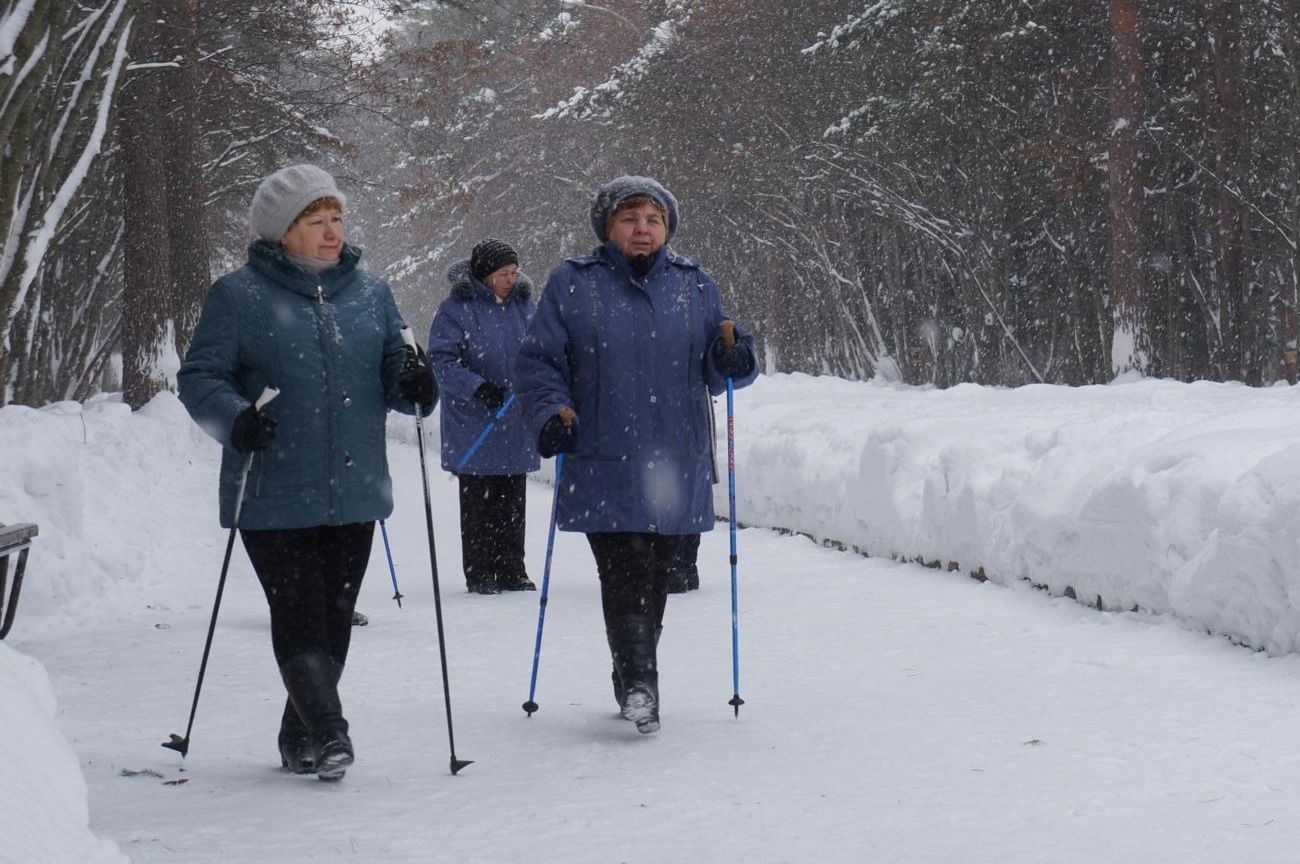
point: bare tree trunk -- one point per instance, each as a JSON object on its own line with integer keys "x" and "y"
{"x": 187, "y": 228}
{"x": 1125, "y": 183}
{"x": 165, "y": 245}
{"x": 1229, "y": 140}
{"x": 146, "y": 318}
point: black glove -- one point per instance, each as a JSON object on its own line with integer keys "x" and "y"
{"x": 733, "y": 362}
{"x": 416, "y": 381}
{"x": 491, "y": 395}
{"x": 252, "y": 430}
{"x": 555, "y": 437}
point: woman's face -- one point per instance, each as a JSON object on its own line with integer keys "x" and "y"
{"x": 502, "y": 280}
{"x": 316, "y": 235}
{"x": 638, "y": 230}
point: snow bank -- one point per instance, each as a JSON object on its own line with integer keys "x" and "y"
{"x": 1173, "y": 498}
{"x": 93, "y": 479}
{"x": 43, "y": 813}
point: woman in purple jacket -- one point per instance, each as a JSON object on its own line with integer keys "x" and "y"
{"x": 472, "y": 346}
{"x": 616, "y": 371}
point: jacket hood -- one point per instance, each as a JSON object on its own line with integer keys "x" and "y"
{"x": 618, "y": 190}
{"x": 465, "y": 287}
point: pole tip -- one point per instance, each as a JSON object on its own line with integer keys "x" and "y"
{"x": 457, "y": 764}
{"x": 177, "y": 743}
{"x": 529, "y": 707}
{"x": 735, "y": 702}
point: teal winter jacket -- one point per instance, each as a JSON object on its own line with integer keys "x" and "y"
{"x": 331, "y": 344}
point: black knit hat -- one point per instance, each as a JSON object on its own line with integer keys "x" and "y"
{"x": 489, "y": 256}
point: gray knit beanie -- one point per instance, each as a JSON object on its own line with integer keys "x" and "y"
{"x": 618, "y": 190}
{"x": 281, "y": 197}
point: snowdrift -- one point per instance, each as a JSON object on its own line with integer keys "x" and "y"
{"x": 1172, "y": 498}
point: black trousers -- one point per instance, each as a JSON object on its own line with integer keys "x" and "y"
{"x": 687, "y": 554}
{"x": 633, "y": 572}
{"x": 311, "y": 577}
{"x": 492, "y": 527}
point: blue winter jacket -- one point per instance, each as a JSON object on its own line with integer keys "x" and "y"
{"x": 635, "y": 358}
{"x": 331, "y": 344}
{"x": 473, "y": 339}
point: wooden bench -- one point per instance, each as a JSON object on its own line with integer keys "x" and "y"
{"x": 13, "y": 539}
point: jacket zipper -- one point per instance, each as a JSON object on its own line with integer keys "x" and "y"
{"x": 332, "y": 422}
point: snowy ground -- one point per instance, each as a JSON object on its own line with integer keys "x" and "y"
{"x": 893, "y": 713}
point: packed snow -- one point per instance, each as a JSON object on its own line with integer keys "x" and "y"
{"x": 893, "y": 711}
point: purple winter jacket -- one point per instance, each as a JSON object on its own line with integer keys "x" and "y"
{"x": 473, "y": 339}
{"x": 635, "y": 358}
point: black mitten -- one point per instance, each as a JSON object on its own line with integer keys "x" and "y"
{"x": 733, "y": 362}
{"x": 555, "y": 437}
{"x": 416, "y": 380}
{"x": 252, "y": 430}
{"x": 491, "y": 395}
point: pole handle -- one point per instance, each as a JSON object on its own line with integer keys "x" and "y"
{"x": 268, "y": 393}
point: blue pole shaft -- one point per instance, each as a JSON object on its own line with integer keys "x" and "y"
{"x": 530, "y": 706}
{"x": 482, "y": 436}
{"x": 736, "y": 701}
{"x": 392, "y": 571}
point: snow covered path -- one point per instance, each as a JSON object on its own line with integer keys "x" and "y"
{"x": 893, "y": 714}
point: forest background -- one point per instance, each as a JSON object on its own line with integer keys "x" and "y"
{"x": 925, "y": 191}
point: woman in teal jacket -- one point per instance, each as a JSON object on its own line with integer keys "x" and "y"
{"x": 301, "y": 317}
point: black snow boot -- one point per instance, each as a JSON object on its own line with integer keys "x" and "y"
{"x": 516, "y": 582}
{"x": 312, "y": 681}
{"x": 482, "y": 585}
{"x": 297, "y": 750}
{"x": 683, "y": 579}
{"x": 613, "y": 675}
{"x": 632, "y": 645}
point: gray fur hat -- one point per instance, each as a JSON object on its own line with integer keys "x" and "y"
{"x": 618, "y": 190}
{"x": 282, "y": 196}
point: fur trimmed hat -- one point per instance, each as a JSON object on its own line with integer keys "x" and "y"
{"x": 282, "y": 196}
{"x": 618, "y": 190}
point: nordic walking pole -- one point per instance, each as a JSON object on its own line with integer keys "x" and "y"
{"x": 392, "y": 571}
{"x": 456, "y": 764}
{"x": 482, "y": 436}
{"x": 735, "y": 701}
{"x": 176, "y": 742}
{"x": 530, "y": 706}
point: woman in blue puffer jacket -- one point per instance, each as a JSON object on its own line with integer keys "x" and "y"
{"x": 616, "y": 371}
{"x": 472, "y": 346}
{"x": 301, "y": 317}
